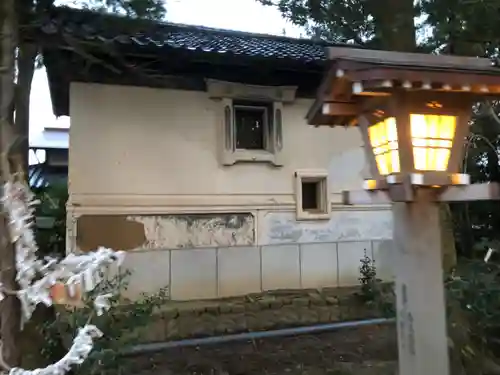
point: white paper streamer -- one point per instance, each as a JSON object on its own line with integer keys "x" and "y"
{"x": 18, "y": 201}
{"x": 102, "y": 304}
{"x": 488, "y": 255}
{"x": 36, "y": 277}
{"x": 77, "y": 354}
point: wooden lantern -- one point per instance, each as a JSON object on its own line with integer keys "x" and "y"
{"x": 416, "y": 137}
{"x": 413, "y": 111}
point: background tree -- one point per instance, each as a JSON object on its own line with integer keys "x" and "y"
{"x": 18, "y": 18}
{"x": 362, "y": 22}
{"x": 367, "y": 23}
{"x": 29, "y": 12}
{"x": 470, "y": 27}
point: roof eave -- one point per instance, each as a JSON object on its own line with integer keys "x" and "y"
{"x": 407, "y": 59}
{"x": 356, "y": 73}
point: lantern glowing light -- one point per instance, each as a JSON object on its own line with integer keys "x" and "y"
{"x": 384, "y": 141}
{"x": 431, "y": 140}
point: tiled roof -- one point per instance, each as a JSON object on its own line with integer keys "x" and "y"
{"x": 183, "y": 50}
{"x": 96, "y": 27}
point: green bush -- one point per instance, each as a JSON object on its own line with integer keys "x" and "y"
{"x": 122, "y": 327}
{"x": 50, "y": 217}
{"x": 373, "y": 291}
{"x": 475, "y": 286}
{"x": 473, "y": 302}
{"x": 368, "y": 279}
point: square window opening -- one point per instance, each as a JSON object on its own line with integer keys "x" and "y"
{"x": 313, "y": 195}
{"x": 252, "y": 125}
{"x": 310, "y": 196}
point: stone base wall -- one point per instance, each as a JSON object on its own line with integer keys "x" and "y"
{"x": 217, "y": 252}
{"x": 257, "y": 312}
{"x": 211, "y": 273}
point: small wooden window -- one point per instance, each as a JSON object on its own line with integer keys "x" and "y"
{"x": 252, "y": 125}
{"x": 251, "y": 131}
{"x": 228, "y": 131}
{"x": 312, "y": 195}
{"x": 278, "y": 129}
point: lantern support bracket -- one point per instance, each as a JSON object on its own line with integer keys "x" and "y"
{"x": 474, "y": 192}
{"x": 400, "y": 193}
{"x": 417, "y": 179}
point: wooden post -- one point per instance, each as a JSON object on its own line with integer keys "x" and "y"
{"x": 421, "y": 312}
{"x": 420, "y": 299}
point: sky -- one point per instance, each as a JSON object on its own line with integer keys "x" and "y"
{"x": 242, "y": 15}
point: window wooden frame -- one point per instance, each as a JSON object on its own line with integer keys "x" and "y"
{"x": 224, "y": 93}
{"x": 324, "y": 204}
{"x": 267, "y": 126}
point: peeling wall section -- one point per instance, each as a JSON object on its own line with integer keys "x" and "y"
{"x": 283, "y": 228}
{"x": 113, "y": 231}
{"x": 126, "y": 232}
{"x": 200, "y": 230}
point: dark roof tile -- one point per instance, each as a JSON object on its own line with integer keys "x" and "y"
{"x": 278, "y": 55}
{"x": 115, "y": 29}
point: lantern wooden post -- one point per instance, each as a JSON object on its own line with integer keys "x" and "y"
{"x": 422, "y": 169}
{"x": 420, "y": 300}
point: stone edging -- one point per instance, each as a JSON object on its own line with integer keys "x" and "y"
{"x": 271, "y": 310}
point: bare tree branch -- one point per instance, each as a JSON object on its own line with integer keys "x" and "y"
{"x": 79, "y": 48}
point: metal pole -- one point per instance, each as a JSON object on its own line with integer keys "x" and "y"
{"x": 154, "y": 347}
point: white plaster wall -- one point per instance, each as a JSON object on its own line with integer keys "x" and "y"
{"x": 129, "y": 141}
{"x": 143, "y": 151}
{"x": 344, "y": 225}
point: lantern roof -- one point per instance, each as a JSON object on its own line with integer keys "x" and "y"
{"x": 357, "y": 75}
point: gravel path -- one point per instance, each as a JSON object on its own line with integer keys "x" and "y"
{"x": 361, "y": 351}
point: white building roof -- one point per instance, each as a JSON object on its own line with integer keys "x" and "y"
{"x": 51, "y": 138}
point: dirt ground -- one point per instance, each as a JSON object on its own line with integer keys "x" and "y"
{"x": 362, "y": 351}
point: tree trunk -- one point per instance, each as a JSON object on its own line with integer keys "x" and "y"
{"x": 448, "y": 248}
{"x": 26, "y": 68}
{"x": 395, "y": 27}
{"x": 10, "y": 313}
{"x": 396, "y": 31}
{"x": 27, "y": 53}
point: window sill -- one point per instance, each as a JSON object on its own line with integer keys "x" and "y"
{"x": 305, "y": 215}
{"x": 251, "y": 156}
{"x": 323, "y": 204}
